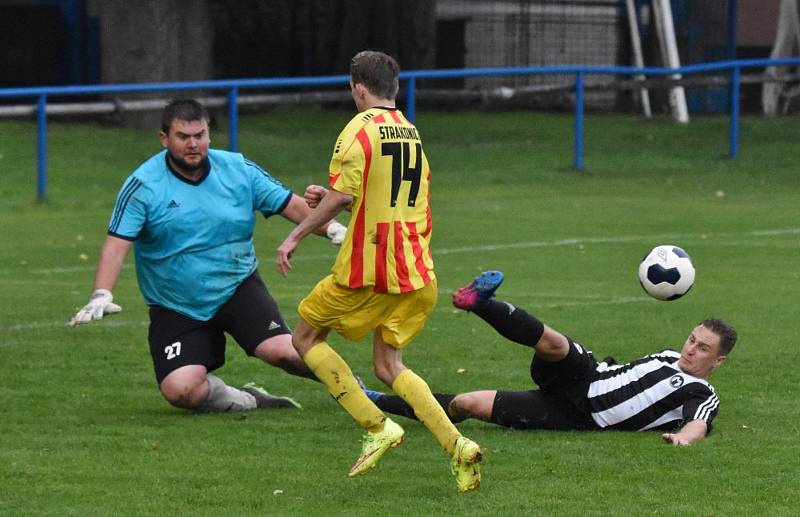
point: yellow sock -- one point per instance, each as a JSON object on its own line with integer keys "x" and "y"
{"x": 411, "y": 388}
{"x": 334, "y": 373}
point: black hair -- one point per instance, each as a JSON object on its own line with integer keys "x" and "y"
{"x": 188, "y": 110}
{"x": 727, "y": 334}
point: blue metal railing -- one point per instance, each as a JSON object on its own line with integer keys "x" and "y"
{"x": 234, "y": 86}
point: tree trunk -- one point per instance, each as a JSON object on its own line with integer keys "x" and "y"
{"x": 405, "y": 29}
{"x": 154, "y": 41}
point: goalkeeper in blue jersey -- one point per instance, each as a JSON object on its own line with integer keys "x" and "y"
{"x": 188, "y": 212}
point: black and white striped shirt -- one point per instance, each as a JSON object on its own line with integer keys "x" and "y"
{"x": 650, "y": 393}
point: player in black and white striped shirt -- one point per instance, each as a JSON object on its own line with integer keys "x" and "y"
{"x": 667, "y": 391}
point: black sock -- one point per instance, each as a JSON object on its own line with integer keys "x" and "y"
{"x": 397, "y": 406}
{"x": 511, "y": 322}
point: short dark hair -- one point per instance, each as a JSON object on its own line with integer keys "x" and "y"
{"x": 377, "y": 71}
{"x": 727, "y": 334}
{"x": 188, "y": 110}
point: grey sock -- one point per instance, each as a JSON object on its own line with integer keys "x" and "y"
{"x": 222, "y": 398}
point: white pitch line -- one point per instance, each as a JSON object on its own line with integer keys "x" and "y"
{"x": 542, "y": 244}
{"x": 612, "y": 301}
{"x": 607, "y": 240}
{"x": 577, "y": 303}
{"x": 446, "y": 251}
{"x": 571, "y": 241}
{"x": 37, "y": 325}
{"x": 50, "y": 324}
{"x": 47, "y": 283}
{"x": 69, "y": 269}
{"x": 770, "y": 233}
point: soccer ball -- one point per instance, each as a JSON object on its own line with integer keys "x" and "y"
{"x": 666, "y": 272}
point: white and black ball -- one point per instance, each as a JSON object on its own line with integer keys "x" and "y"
{"x": 666, "y": 272}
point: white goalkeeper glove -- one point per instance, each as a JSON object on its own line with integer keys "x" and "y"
{"x": 336, "y": 232}
{"x": 99, "y": 305}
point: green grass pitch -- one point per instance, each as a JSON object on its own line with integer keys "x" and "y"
{"x": 84, "y": 431}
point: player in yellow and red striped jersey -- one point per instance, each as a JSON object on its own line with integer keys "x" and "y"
{"x": 379, "y": 161}
{"x": 383, "y": 279}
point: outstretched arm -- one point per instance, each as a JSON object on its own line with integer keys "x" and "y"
{"x": 109, "y": 266}
{"x": 330, "y": 205}
{"x": 112, "y": 258}
{"x": 298, "y": 209}
{"x": 314, "y": 194}
{"x": 692, "y": 432}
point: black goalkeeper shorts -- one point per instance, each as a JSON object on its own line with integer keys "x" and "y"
{"x": 250, "y": 317}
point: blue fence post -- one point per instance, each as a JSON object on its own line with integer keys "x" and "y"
{"x": 232, "y": 88}
{"x": 233, "y": 119}
{"x": 734, "y": 124}
{"x": 41, "y": 147}
{"x": 411, "y": 99}
{"x": 579, "y": 121}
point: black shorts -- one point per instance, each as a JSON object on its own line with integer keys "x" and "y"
{"x": 559, "y": 403}
{"x": 250, "y": 317}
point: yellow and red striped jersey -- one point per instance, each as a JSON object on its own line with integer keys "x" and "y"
{"x": 378, "y": 159}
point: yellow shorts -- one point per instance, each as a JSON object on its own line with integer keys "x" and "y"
{"x": 353, "y": 313}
